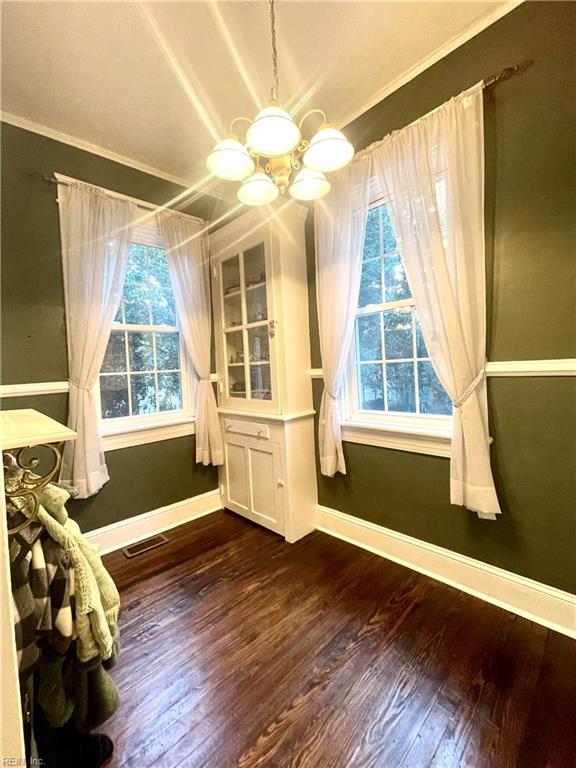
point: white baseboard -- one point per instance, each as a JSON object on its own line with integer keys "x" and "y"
{"x": 538, "y": 602}
{"x": 126, "y": 532}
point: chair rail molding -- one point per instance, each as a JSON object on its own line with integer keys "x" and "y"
{"x": 561, "y": 367}
{"x": 513, "y": 368}
{"x": 36, "y": 388}
{"x": 47, "y": 388}
{"x": 551, "y": 607}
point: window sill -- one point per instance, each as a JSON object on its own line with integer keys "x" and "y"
{"x": 139, "y": 434}
{"x": 433, "y": 441}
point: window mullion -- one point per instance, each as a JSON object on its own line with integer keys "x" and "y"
{"x": 383, "y": 363}
{"x": 415, "y": 364}
{"x": 148, "y": 286}
{"x": 128, "y": 379}
{"x": 156, "y": 394}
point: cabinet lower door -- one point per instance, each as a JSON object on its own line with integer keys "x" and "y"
{"x": 237, "y": 489}
{"x": 254, "y": 481}
{"x": 265, "y": 472}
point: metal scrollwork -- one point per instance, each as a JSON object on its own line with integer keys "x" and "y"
{"x": 24, "y": 486}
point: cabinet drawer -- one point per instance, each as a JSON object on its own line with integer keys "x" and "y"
{"x": 251, "y": 428}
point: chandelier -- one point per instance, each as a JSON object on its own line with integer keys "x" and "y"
{"x": 275, "y": 156}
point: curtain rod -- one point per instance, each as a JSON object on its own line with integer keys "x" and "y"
{"x": 508, "y": 72}
{"x": 142, "y": 204}
{"x": 503, "y": 75}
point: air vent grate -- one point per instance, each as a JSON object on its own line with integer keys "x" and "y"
{"x": 144, "y": 546}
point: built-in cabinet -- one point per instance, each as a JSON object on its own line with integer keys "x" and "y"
{"x": 258, "y": 265}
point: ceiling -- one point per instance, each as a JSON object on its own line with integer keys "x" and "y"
{"x": 157, "y": 83}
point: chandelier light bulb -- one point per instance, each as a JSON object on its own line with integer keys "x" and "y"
{"x": 309, "y": 185}
{"x": 273, "y": 132}
{"x": 329, "y": 150}
{"x": 259, "y": 189}
{"x": 230, "y": 160}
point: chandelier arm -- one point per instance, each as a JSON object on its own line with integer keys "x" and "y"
{"x": 312, "y": 112}
{"x": 237, "y": 120}
{"x": 276, "y": 88}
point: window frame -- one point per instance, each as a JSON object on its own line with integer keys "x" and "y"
{"x": 127, "y": 431}
{"x": 414, "y": 432}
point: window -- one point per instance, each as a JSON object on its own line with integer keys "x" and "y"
{"x": 144, "y": 379}
{"x": 391, "y": 382}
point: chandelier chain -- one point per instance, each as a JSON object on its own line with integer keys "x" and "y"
{"x": 274, "y": 50}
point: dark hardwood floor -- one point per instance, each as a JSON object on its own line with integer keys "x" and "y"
{"x": 241, "y": 650}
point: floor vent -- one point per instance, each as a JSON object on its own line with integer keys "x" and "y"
{"x": 144, "y": 546}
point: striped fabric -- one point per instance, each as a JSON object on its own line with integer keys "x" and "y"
{"x": 43, "y": 595}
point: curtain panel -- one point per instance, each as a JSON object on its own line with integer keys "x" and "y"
{"x": 432, "y": 172}
{"x": 186, "y": 249}
{"x": 340, "y": 221}
{"x": 95, "y": 232}
{"x": 438, "y": 161}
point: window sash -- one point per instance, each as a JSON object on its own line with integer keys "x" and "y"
{"x": 147, "y": 234}
{"x": 184, "y": 411}
{"x": 351, "y": 401}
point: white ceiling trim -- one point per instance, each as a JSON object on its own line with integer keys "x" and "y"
{"x": 65, "y": 138}
{"x": 430, "y": 60}
{"x": 207, "y": 187}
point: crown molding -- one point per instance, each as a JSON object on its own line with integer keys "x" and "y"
{"x": 379, "y": 95}
{"x": 95, "y": 149}
{"x": 429, "y": 61}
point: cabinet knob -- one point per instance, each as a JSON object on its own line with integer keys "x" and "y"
{"x": 280, "y": 483}
{"x": 259, "y": 431}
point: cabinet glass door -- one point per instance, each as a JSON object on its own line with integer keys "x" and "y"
{"x": 245, "y": 315}
{"x": 259, "y": 352}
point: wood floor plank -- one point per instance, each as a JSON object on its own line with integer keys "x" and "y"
{"x": 243, "y": 664}
{"x": 243, "y": 651}
{"x": 372, "y": 680}
{"x": 273, "y": 664}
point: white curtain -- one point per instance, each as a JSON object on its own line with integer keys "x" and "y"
{"x": 340, "y": 221}
{"x": 187, "y": 255}
{"x": 96, "y": 233}
{"x": 437, "y": 164}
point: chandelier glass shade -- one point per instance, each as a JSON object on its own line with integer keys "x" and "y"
{"x": 258, "y": 189}
{"x": 309, "y": 185}
{"x": 328, "y": 151}
{"x": 273, "y": 132}
{"x": 230, "y": 160}
{"x": 275, "y": 156}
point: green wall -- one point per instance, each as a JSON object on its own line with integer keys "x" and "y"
{"x": 531, "y": 268}
{"x": 530, "y": 184}
{"x": 33, "y": 324}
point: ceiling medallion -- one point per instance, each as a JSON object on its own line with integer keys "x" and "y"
{"x": 275, "y": 157}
